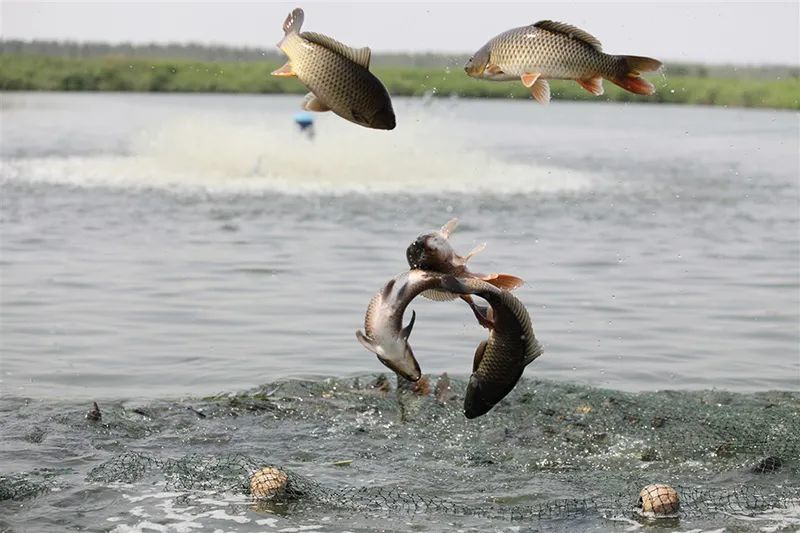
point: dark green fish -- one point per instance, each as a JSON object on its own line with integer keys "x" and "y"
{"x": 500, "y": 359}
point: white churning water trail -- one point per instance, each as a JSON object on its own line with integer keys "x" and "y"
{"x": 212, "y": 154}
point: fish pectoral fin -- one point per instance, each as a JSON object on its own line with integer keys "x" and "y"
{"x": 366, "y": 341}
{"x": 541, "y": 91}
{"x": 503, "y": 281}
{"x": 475, "y": 251}
{"x": 492, "y": 70}
{"x": 479, "y": 351}
{"x": 529, "y": 78}
{"x": 449, "y": 228}
{"x": 483, "y": 313}
{"x": 312, "y": 103}
{"x": 284, "y": 71}
{"x": 406, "y": 331}
{"x": 593, "y": 85}
{"x": 358, "y": 118}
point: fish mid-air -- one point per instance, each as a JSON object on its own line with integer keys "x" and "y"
{"x": 554, "y": 50}
{"x": 433, "y": 252}
{"x": 337, "y": 75}
{"x": 384, "y": 334}
{"x": 500, "y": 359}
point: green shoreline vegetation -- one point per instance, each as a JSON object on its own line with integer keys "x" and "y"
{"x": 678, "y": 85}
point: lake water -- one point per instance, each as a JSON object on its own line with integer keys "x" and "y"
{"x": 163, "y": 247}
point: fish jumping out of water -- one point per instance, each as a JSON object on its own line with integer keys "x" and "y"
{"x": 500, "y": 359}
{"x": 384, "y": 333}
{"x": 433, "y": 252}
{"x": 337, "y": 75}
{"x": 554, "y": 50}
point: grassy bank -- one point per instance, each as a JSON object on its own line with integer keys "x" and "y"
{"x": 25, "y": 72}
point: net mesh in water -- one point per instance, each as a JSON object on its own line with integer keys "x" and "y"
{"x": 548, "y": 451}
{"x": 247, "y": 475}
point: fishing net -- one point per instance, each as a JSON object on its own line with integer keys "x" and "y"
{"x": 256, "y": 478}
{"x": 599, "y": 452}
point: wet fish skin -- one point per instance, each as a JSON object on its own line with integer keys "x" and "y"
{"x": 555, "y": 50}
{"x": 384, "y": 333}
{"x": 338, "y": 76}
{"x": 500, "y": 359}
{"x": 433, "y": 252}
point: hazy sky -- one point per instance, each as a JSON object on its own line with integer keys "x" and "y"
{"x": 711, "y": 32}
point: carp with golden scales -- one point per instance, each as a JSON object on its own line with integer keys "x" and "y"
{"x": 337, "y": 75}
{"x": 557, "y": 51}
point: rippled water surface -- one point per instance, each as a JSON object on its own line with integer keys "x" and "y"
{"x": 166, "y": 248}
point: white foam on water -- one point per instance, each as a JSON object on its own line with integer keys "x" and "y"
{"x": 219, "y": 154}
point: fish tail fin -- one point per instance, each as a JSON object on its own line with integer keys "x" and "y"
{"x": 628, "y": 75}
{"x": 294, "y": 21}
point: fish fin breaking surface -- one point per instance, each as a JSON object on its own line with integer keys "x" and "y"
{"x": 312, "y": 103}
{"x": 541, "y": 91}
{"x": 570, "y": 31}
{"x": 360, "y": 56}
{"x": 629, "y": 74}
{"x": 529, "y": 78}
{"x": 593, "y": 85}
{"x": 284, "y": 71}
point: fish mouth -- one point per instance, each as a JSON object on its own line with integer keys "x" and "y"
{"x": 411, "y": 374}
{"x": 415, "y": 254}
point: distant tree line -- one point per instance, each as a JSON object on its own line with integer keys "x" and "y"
{"x": 214, "y": 53}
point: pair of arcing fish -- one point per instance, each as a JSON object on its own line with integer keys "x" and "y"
{"x": 339, "y": 79}
{"x": 499, "y": 361}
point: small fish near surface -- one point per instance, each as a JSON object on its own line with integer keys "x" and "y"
{"x": 337, "y": 75}
{"x": 500, "y": 359}
{"x": 433, "y": 252}
{"x": 384, "y": 334}
{"x": 554, "y": 50}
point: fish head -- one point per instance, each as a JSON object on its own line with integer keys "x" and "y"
{"x": 395, "y": 353}
{"x": 475, "y": 402}
{"x": 382, "y": 119}
{"x": 476, "y": 65}
{"x": 431, "y": 251}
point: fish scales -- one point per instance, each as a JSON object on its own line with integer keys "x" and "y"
{"x": 555, "y": 55}
{"x": 337, "y": 81}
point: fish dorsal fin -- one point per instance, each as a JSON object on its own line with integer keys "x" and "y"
{"x": 571, "y": 31}
{"x": 449, "y": 228}
{"x": 360, "y": 56}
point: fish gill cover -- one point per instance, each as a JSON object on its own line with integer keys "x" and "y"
{"x": 549, "y": 452}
